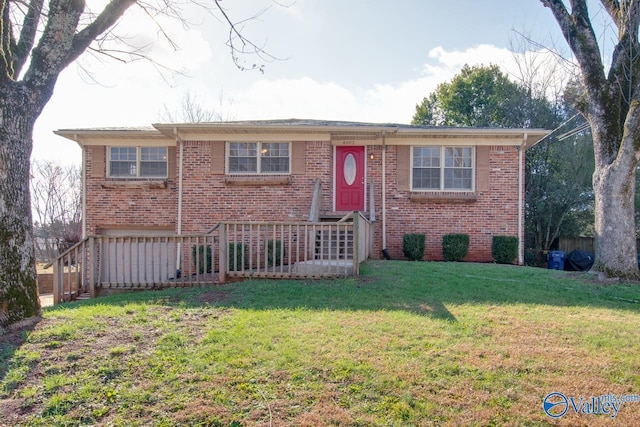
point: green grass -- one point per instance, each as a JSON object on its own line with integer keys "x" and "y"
{"x": 404, "y": 344}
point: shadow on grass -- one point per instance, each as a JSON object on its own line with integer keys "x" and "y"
{"x": 423, "y": 288}
{"x": 11, "y": 340}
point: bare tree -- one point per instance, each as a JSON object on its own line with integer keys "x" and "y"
{"x": 544, "y": 71}
{"x": 611, "y": 105}
{"x": 558, "y": 190}
{"x": 56, "y": 193}
{"x": 37, "y": 41}
{"x": 192, "y": 109}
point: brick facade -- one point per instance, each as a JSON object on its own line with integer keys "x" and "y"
{"x": 110, "y": 207}
{"x": 209, "y": 195}
{"x": 489, "y": 213}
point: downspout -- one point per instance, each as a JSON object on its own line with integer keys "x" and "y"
{"x": 84, "y": 187}
{"x": 384, "y": 193}
{"x": 521, "y": 200}
{"x": 179, "y": 231}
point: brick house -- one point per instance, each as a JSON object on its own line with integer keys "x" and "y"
{"x": 185, "y": 178}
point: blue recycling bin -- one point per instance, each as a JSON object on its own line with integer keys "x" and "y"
{"x": 555, "y": 260}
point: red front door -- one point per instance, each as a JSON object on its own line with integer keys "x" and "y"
{"x": 349, "y": 178}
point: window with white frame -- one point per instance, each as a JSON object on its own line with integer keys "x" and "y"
{"x": 442, "y": 168}
{"x": 259, "y": 157}
{"x": 138, "y": 162}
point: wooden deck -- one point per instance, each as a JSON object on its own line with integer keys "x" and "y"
{"x": 231, "y": 250}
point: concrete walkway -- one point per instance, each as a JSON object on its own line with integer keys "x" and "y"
{"x": 46, "y": 300}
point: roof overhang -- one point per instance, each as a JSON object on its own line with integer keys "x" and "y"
{"x": 371, "y": 133}
{"x": 147, "y": 136}
{"x": 335, "y": 132}
{"x": 468, "y": 136}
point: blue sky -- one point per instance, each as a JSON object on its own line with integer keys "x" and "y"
{"x": 345, "y": 59}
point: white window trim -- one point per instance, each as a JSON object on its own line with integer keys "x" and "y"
{"x": 138, "y": 162}
{"x": 442, "y": 168}
{"x": 258, "y": 163}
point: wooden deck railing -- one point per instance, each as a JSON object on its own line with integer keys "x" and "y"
{"x": 135, "y": 262}
{"x": 234, "y": 249}
{"x": 72, "y": 273}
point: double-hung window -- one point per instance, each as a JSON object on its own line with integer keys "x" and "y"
{"x": 442, "y": 169}
{"x": 259, "y": 157}
{"x": 138, "y": 162}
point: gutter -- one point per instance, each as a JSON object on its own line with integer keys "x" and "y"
{"x": 521, "y": 200}
{"x": 384, "y": 192}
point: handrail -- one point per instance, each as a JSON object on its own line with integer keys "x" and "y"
{"x": 346, "y": 217}
{"x": 314, "y": 211}
{"x": 363, "y": 216}
{"x": 76, "y": 260}
{"x": 212, "y": 229}
{"x": 72, "y": 248}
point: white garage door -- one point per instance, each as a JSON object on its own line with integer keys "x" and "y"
{"x": 147, "y": 258}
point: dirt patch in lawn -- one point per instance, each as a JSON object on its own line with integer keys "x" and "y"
{"x": 213, "y": 297}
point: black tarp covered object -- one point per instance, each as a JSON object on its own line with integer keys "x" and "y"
{"x": 578, "y": 260}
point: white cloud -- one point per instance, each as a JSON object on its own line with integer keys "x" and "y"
{"x": 480, "y": 54}
{"x": 300, "y": 98}
{"x": 307, "y": 98}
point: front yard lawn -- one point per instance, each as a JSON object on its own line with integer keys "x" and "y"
{"x": 417, "y": 343}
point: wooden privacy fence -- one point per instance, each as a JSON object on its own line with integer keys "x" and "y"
{"x": 234, "y": 249}
{"x": 587, "y": 244}
{"x": 568, "y": 244}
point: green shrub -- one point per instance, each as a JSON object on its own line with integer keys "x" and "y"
{"x": 274, "y": 252}
{"x": 200, "y": 261}
{"x": 413, "y": 246}
{"x": 237, "y": 255}
{"x": 504, "y": 249}
{"x": 455, "y": 246}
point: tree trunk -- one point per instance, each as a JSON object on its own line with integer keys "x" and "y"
{"x": 18, "y": 287}
{"x": 614, "y": 189}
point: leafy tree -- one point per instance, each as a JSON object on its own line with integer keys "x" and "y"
{"x": 38, "y": 40}
{"x": 559, "y": 196}
{"x": 558, "y": 191}
{"x": 611, "y": 105}
{"x": 480, "y": 96}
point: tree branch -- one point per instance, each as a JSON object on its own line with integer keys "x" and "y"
{"x": 107, "y": 18}
{"x": 577, "y": 30}
{"x": 247, "y": 46}
{"x": 627, "y": 20}
{"x": 6, "y": 62}
{"x": 612, "y": 7}
{"x": 59, "y": 44}
{"x": 27, "y": 35}
{"x": 48, "y": 57}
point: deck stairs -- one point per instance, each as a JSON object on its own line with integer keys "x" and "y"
{"x": 334, "y": 244}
